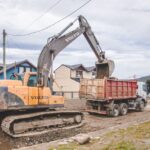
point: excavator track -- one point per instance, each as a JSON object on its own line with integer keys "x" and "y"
{"x": 41, "y": 122}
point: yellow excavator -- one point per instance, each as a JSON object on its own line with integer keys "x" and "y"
{"x": 28, "y": 106}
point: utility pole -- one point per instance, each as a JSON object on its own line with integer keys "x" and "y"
{"x": 4, "y": 53}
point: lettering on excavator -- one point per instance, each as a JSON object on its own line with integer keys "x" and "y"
{"x": 72, "y": 37}
{"x": 39, "y": 97}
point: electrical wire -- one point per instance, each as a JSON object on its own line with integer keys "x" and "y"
{"x": 39, "y": 17}
{"x": 51, "y": 25}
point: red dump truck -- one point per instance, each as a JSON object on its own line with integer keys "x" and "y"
{"x": 111, "y": 96}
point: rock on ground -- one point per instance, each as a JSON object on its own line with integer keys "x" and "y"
{"x": 82, "y": 138}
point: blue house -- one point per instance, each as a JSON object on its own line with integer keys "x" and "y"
{"x": 17, "y": 67}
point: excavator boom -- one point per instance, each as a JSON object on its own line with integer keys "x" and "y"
{"x": 57, "y": 43}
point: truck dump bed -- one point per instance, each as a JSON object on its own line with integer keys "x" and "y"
{"x": 107, "y": 89}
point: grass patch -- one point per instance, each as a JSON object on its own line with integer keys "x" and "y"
{"x": 69, "y": 146}
{"x": 123, "y": 145}
{"x": 119, "y": 140}
{"x": 138, "y": 131}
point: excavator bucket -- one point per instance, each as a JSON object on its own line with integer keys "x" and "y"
{"x": 104, "y": 69}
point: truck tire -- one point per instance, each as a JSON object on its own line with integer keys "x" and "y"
{"x": 123, "y": 109}
{"x": 114, "y": 112}
{"x": 141, "y": 106}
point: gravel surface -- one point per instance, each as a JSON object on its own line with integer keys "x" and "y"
{"x": 93, "y": 123}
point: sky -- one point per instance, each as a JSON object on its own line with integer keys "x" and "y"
{"x": 122, "y": 28}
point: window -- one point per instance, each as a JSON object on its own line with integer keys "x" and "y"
{"x": 32, "y": 82}
{"x": 28, "y": 69}
{"x": 79, "y": 74}
{"x": 24, "y": 69}
{"x": 21, "y": 70}
{"x": 144, "y": 87}
{"x": 93, "y": 74}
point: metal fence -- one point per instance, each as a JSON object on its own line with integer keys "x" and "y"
{"x": 68, "y": 94}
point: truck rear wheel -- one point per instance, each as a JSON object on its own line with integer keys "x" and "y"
{"x": 114, "y": 110}
{"x": 123, "y": 109}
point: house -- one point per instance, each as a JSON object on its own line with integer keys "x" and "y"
{"x": 67, "y": 79}
{"x": 17, "y": 67}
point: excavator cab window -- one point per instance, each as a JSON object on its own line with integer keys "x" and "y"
{"x": 32, "y": 82}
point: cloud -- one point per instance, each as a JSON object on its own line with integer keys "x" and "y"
{"x": 121, "y": 27}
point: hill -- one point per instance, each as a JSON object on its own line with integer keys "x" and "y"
{"x": 144, "y": 79}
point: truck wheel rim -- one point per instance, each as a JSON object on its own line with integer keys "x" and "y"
{"x": 124, "y": 110}
{"x": 142, "y": 105}
{"x": 116, "y": 112}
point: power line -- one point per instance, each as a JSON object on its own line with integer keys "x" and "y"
{"x": 38, "y": 18}
{"x": 45, "y": 28}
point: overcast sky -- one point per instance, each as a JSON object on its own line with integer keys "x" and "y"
{"x": 121, "y": 26}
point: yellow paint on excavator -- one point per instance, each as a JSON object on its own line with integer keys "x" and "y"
{"x": 30, "y": 96}
{"x": 10, "y": 83}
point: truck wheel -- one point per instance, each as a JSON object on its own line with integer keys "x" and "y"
{"x": 115, "y": 111}
{"x": 141, "y": 106}
{"x": 123, "y": 109}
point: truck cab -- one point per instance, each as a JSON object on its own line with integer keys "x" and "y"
{"x": 142, "y": 89}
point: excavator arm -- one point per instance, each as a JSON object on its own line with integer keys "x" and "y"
{"x": 58, "y": 42}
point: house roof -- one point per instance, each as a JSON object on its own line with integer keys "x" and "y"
{"x": 74, "y": 67}
{"x": 78, "y": 66}
{"x": 9, "y": 66}
{"x": 93, "y": 68}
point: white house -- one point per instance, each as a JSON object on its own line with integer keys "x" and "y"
{"x": 67, "y": 79}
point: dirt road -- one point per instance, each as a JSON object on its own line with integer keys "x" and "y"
{"x": 93, "y": 123}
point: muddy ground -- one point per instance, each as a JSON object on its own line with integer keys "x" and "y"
{"x": 93, "y": 123}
